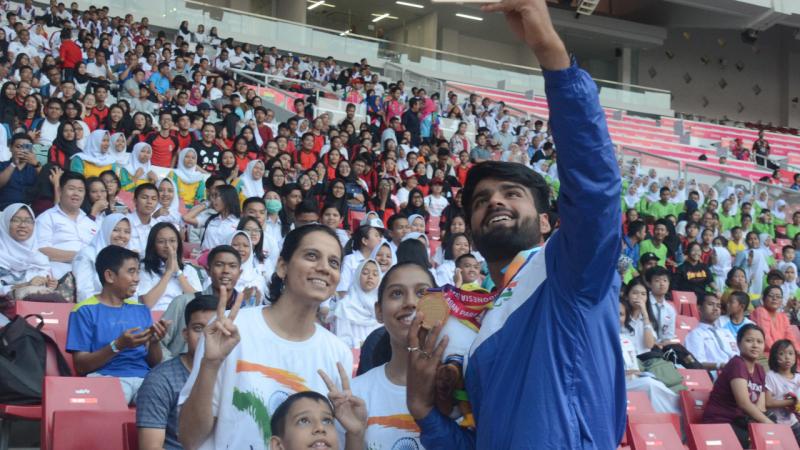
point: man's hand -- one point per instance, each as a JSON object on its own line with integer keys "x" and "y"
{"x": 530, "y": 21}
{"x": 131, "y": 339}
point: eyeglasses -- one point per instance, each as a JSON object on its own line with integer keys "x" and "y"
{"x": 21, "y": 221}
{"x": 253, "y": 230}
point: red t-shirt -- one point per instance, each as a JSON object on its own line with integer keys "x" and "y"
{"x": 721, "y": 406}
{"x": 70, "y": 54}
{"x": 163, "y": 149}
{"x": 100, "y": 113}
{"x": 307, "y": 159}
{"x": 184, "y": 141}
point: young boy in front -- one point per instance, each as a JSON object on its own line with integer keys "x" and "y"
{"x": 658, "y": 279}
{"x": 111, "y": 334}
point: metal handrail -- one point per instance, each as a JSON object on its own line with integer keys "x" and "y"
{"x": 415, "y": 47}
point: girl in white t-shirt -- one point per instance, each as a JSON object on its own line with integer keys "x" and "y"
{"x": 384, "y": 388}
{"x": 247, "y": 364}
{"x": 220, "y": 227}
{"x": 365, "y": 239}
{"x": 435, "y": 202}
{"x": 456, "y": 245}
{"x": 783, "y": 383}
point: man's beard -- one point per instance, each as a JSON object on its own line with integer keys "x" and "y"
{"x": 502, "y": 243}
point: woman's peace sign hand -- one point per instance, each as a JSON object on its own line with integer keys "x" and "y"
{"x": 348, "y": 409}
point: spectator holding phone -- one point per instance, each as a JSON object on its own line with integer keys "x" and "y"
{"x": 19, "y": 174}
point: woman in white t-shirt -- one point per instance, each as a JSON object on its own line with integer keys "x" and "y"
{"x": 436, "y": 202}
{"x": 220, "y": 227}
{"x": 247, "y": 364}
{"x": 383, "y": 388}
{"x": 164, "y": 276}
{"x": 456, "y": 245}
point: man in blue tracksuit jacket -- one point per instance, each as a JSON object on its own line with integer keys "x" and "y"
{"x": 545, "y": 371}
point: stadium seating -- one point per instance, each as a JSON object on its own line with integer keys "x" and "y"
{"x": 651, "y": 418}
{"x": 772, "y": 436}
{"x": 696, "y": 379}
{"x": 711, "y": 437}
{"x": 83, "y": 394}
{"x": 639, "y": 403}
{"x": 683, "y": 325}
{"x": 105, "y": 433}
{"x": 687, "y": 302}
{"x": 693, "y": 405}
{"x": 659, "y": 436}
{"x": 56, "y": 320}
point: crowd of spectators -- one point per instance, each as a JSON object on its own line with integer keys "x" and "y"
{"x": 139, "y": 174}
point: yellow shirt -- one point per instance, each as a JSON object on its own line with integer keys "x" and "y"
{"x": 187, "y": 191}
{"x": 735, "y": 248}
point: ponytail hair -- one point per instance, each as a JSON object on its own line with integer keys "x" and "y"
{"x": 290, "y": 245}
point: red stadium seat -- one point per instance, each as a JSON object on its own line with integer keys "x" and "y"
{"x": 655, "y": 436}
{"x": 772, "y": 436}
{"x": 712, "y": 436}
{"x": 683, "y": 326}
{"x": 651, "y": 418}
{"x": 102, "y": 394}
{"x": 126, "y": 198}
{"x": 112, "y": 424}
{"x": 434, "y": 244}
{"x": 686, "y": 303}
{"x": 696, "y": 379}
{"x": 156, "y": 315}
{"x": 693, "y": 405}
{"x": 56, "y": 319}
{"x": 11, "y": 413}
{"x": 639, "y": 403}
{"x": 130, "y": 436}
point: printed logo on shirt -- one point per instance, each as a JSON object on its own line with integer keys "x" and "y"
{"x": 754, "y": 390}
{"x": 398, "y": 421}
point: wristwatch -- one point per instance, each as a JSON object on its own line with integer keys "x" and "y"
{"x": 113, "y": 346}
{"x": 178, "y": 273}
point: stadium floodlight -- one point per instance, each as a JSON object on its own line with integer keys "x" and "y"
{"x": 467, "y": 16}
{"x": 411, "y": 5}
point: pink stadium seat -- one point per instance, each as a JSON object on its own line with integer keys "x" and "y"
{"x": 693, "y": 405}
{"x": 655, "y": 436}
{"x": 355, "y": 218}
{"x": 686, "y": 303}
{"x": 696, "y": 379}
{"x": 156, "y": 315}
{"x": 126, "y": 198}
{"x": 639, "y": 403}
{"x": 112, "y": 424}
{"x": 651, "y": 418}
{"x": 772, "y": 436}
{"x": 101, "y": 394}
{"x": 684, "y": 325}
{"x": 712, "y": 437}
{"x": 56, "y": 320}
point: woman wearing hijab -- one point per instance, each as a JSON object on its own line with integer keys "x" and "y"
{"x": 721, "y": 264}
{"x": 138, "y": 165}
{"x": 97, "y": 157}
{"x": 251, "y": 182}
{"x": 82, "y": 133}
{"x": 632, "y": 199}
{"x": 779, "y": 212}
{"x": 115, "y": 230}
{"x": 21, "y": 262}
{"x": 64, "y": 145}
{"x": 754, "y": 262}
{"x": 169, "y": 208}
{"x": 188, "y": 178}
{"x": 119, "y": 148}
{"x": 355, "y": 311}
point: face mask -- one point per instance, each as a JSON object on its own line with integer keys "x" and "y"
{"x": 273, "y": 206}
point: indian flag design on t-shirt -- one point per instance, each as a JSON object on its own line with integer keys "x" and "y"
{"x": 253, "y": 405}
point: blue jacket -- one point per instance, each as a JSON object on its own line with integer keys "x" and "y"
{"x": 546, "y": 370}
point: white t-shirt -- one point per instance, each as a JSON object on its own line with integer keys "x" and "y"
{"x": 779, "y": 386}
{"x": 390, "y": 426}
{"x": 259, "y": 374}
{"x": 49, "y": 133}
{"x": 349, "y": 266}
{"x": 148, "y": 280}
{"x": 219, "y": 232}
{"x": 436, "y": 205}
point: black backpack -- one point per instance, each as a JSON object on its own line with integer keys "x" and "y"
{"x": 23, "y": 352}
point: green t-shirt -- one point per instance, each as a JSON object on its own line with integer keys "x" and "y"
{"x": 660, "y": 210}
{"x": 768, "y": 228}
{"x": 728, "y": 222}
{"x": 792, "y": 230}
{"x": 647, "y": 246}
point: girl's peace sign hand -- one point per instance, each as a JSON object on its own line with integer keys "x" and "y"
{"x": 221, "y": 335}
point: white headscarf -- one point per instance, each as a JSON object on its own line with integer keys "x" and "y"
{"x": 249, "y": 277}
{"x": 653, "y": 196}
{"x": 631, "y": 200}
{"x": 175, "y": 204}
{"x": 93, "y": 152}
{"x": 721, "y": 267}
{"x": 187, "y": 175}
{"x": 249, "y": 185}
{"x": 19, "y": 257}
{"x": 82, "y": 142}
{"x": 375, "y": 250}
{"x": 133, "y": 164}
{"x": 762, "y": 204}
{"x": 123, "y": 156}
{"x": 357, "y": 305}
{"x": 102, "y": 239}
{"x": 777, "y": 213}
{"x": 789, "y": 288}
